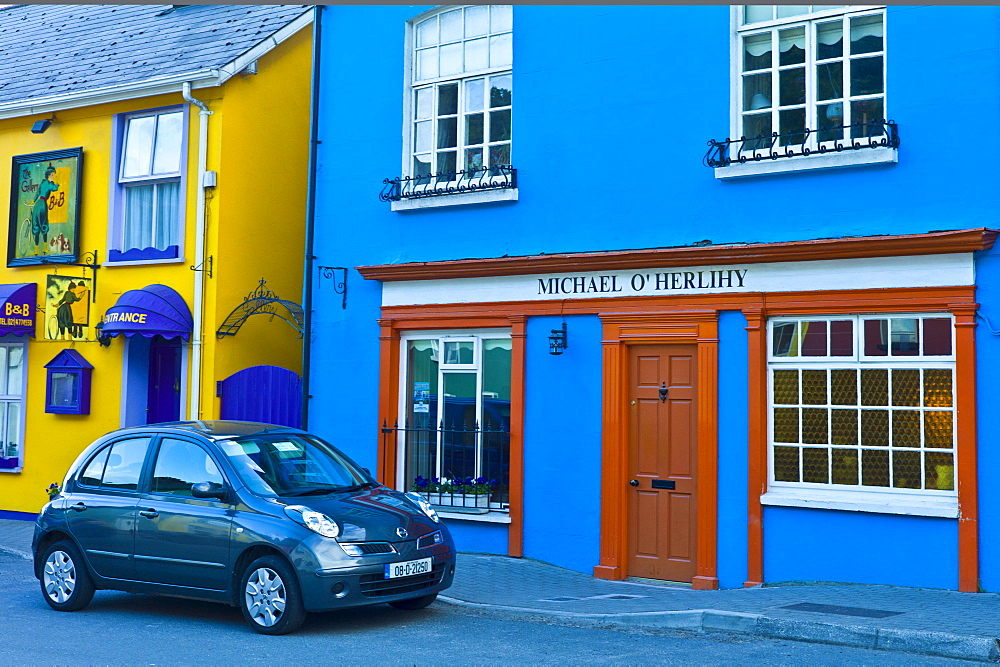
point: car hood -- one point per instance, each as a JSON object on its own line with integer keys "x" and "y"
{"x": 371, "y": 516}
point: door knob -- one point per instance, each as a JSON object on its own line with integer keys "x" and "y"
{"x": 634, "y": 482}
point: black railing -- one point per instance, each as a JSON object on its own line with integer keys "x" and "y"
{"x": 500, "y": 177}
{"x": 461, "y": 466}
{"x": 878, "y": 133}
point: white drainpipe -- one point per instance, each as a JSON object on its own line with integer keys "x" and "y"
{"x": 194, "y": 401}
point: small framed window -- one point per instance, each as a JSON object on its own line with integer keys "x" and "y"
{"x": 67, "y": 387}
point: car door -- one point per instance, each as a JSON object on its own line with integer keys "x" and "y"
{"x": 101, "y": 514}
{"x": 182, "y": 540}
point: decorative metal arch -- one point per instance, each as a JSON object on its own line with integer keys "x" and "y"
{"x": 263, "y": 301}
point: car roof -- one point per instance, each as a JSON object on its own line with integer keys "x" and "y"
{"x": 215, "y": 429}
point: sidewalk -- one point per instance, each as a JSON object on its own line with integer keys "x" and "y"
{"x": 924, "y": 621}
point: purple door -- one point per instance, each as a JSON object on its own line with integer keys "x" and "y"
{"x": 268, "y": 394}
{"x": 164, "y": 398}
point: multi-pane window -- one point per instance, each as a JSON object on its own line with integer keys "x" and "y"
{"x": 11, "y": 404}
{"x": 461, "y": 90}
{"x": 150, "y": 177}
{"x": 456, "y": 426}
{"x": 815, "y": 67}
{"x": 863, "y": 402}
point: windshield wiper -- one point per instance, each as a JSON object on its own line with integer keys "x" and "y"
{"x": 313, "y": 491}
{"x": 358, "y": 487}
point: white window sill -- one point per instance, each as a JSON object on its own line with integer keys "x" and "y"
{"x": 863, "y": 501}
{"x": 491, "y": 517}
{"x": 461, "y": 199}
{"x": 786, "y": 165}
{"x": 146, "y": 262}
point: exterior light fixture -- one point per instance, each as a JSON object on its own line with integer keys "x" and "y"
{"x": 103, "y": 339}
{"x": 41, "y": 125}
{"x": 557, "y": 341}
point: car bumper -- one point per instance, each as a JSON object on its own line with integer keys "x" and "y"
{"x": 363, "y": 582}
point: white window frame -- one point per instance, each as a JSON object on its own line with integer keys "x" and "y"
{"x": 498, "y": 513}
{"x": 120, "y": 182}
{"x": 887, "y": 500}
{"x": 816, "y": 160}
{"x": 410, "y": 85}
{"x": 6, "y": 399}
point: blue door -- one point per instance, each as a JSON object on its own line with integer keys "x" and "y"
{"x": 268, "y": 394}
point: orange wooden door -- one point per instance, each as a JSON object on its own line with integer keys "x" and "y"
{"x": 662, "y": 446}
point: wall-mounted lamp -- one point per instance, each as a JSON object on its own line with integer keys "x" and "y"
{"x": 557, "y": 341}
{"x": 103, "y": 339}
{"x": 41, "y": 125}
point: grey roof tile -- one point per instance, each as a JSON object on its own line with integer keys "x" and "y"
{"x": 59, "y": 49}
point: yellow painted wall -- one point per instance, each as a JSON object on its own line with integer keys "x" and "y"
{"x": 258, "y": 144}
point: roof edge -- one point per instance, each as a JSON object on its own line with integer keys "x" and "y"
{"x": 271, "y": 42}
{"x": 930, "y": 243}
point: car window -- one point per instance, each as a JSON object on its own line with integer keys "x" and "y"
{"x": 181, "y": 463}
{"x": 125, "y": 464}
{"x": 291, "y": 464}
{"x": 94, "y": 471}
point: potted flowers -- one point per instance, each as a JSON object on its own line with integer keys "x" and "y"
{"x": 456, "y": 492}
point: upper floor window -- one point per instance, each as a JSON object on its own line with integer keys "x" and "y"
{"x": 150, "y": 169}
{"x": 809, "y": 80}
{"x": 817, "y": 67}
{"x": 459, "y": 107}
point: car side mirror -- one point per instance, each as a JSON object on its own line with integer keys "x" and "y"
{"x": 208, "y": 490}
{"x": 367, "y": 471}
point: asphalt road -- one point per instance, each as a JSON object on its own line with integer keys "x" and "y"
{"x": 124, "y": 629}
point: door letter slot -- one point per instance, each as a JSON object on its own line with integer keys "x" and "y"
{"x": 663, "y": 484}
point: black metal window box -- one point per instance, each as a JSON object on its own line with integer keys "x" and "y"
{"x": 878, "y": 133}
{"x": 500, "y": 177}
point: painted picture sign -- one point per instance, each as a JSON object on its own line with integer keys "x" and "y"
{"x": 44, "y": 207}
{"x": 67, "y": 308}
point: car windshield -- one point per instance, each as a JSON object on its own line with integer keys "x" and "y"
{"x": 290, "y": 464}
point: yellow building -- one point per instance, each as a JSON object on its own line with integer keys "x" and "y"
{"x": 158, "y": 166}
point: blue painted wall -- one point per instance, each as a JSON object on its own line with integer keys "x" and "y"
{"x": 613, "y": 106}
{"x": 855, "y": 547}
{"x": 562, "y": 444}
{"x": 988, "y": 395}
{"x": 733, "y": 450}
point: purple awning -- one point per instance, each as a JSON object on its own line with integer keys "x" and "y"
{"x": 152, "y": 310}
{"x": 17, "y": 309}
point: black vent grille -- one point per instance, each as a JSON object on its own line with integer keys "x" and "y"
{"x": 368, "y": 548}
{"x": 374, "y": 586}
{"x": 429, "y": 540}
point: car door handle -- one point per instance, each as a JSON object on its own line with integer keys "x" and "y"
{"x": 79, "y": 507}
{"x": 149, "y": 514}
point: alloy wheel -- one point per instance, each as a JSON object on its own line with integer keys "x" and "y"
{"x": 265, "y": 596}
{"x": 59, "y": 576}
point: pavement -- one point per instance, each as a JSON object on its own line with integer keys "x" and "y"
{"x": 922, "y": 621}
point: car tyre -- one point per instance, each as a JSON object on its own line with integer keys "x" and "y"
{"x": 414, "y": 603}
{"x": 270, "y": 597}
{"x": 65, "y": 580}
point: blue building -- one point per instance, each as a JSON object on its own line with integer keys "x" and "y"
{"x": 549, "y": 291}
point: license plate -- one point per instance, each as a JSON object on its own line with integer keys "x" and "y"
{"x": 408, "y": 568}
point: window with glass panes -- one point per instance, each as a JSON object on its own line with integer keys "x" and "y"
{"x": 461, "y": 90}
{"x": 456, "y": 410}
{"x": 11, "y": 405}
{"x": 820, "y": 67}
{"x": 150, "y": 176}
{"x": 863, "y": 402}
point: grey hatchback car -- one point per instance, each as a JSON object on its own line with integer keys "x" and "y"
{"x": 271, "y": 519}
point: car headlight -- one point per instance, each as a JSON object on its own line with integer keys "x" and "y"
{"x": 315, "y": 521}
{"x": 424, "y": 506}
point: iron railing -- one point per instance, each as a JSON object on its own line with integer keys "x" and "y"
{"x": 436, "y": 457}
{"x": 878, "y": 133}
{"x": 499, "y": 177}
